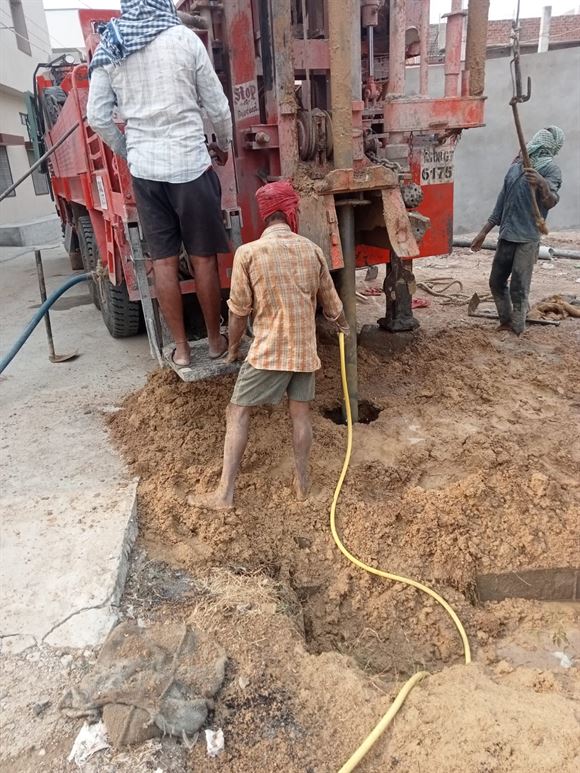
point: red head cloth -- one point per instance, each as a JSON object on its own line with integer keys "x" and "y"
{"x": 279, "y": 197}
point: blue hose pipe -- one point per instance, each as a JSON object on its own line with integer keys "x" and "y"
{"x": 40, "y": 312}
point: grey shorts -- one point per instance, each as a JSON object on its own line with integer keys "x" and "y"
{"x": 267, "y": 387}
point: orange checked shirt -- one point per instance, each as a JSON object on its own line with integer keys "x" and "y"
{"x": 279, "y": 279}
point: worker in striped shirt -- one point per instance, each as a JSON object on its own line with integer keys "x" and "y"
{"x": 277, "y": 281}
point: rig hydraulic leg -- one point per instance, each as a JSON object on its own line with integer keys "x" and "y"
{"x": 399, "y": 286}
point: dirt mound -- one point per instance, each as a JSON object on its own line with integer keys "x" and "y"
{"x": 285, "y": 709}
{"x": 471, "y": 466}
{"x": 537, "y": 729}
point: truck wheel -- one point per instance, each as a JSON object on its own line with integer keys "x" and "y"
{"x": 90, "y": 255}
{"x": 121, "y": 315}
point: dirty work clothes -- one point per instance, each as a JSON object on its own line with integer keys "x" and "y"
{"x": 279, "y": 279}
{"x": 513, "y": 210}
{"x": 268, "y": 387}
{"x": 174, "y": 213}
{"x": 160, "y": 92}
{"x": 518, "y": 260}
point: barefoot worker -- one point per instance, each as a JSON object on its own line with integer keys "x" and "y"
{"x": 519, "y": 238}
{"x": 278, "y": 280}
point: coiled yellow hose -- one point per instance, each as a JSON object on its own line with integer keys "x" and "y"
{"x": 416, "y": 678}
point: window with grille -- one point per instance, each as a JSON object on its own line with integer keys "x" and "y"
{"x": 19, "y": 22}
{"x": 39, "y": 179}
{"x": 5, "y": 171}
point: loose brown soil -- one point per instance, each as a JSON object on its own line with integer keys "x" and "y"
{"x": 471, "y": 466}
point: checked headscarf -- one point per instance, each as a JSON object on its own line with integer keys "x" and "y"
{"x": 544, "y": 145}
{"x": 140, "y": 23}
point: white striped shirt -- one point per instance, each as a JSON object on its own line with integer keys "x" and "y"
{"x": 160, "y": 92}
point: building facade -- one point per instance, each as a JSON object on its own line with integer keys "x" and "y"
{"x": 24, "y": 42}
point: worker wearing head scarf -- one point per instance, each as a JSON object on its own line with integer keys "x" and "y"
{"x": 159, "y": 76}
{"x": 544, "y": 145}
{"x": 519, "y": 238}
{"x": 140, "y": 23}
{"x": 279, "y": 197}
{"x": 278, "y": 281}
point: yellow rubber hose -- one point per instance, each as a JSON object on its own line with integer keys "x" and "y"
{"x": 416, "y": 678}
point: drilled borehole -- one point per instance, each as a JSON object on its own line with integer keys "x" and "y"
{"x": 367, "y": 413}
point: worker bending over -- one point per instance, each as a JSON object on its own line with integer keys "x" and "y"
{"x": 158, "y": 73}
{"x": 519, "y": 238}
{"x": 277, "y": 280}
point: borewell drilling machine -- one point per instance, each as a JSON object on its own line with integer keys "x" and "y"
{"x": 333, "y": 94}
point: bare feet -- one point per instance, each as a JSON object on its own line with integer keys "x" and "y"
{"x": 182, "y": 354}
{"x": 219, "y": 349}
{"x": 213, "y": 501}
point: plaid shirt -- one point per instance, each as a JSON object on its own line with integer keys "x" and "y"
{"x": 279, "y": 279}
{"x": 160, "y": 91}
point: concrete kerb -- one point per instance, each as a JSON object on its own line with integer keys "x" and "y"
{"x": 93, "y": 611}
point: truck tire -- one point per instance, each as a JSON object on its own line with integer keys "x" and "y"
{"x": 121, "y": 315}
{"x": 90, "y": 255}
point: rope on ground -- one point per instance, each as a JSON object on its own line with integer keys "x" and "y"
{"x": 439, "y": 286}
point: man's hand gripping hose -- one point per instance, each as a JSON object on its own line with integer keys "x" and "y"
{"x": 368, "y": 743}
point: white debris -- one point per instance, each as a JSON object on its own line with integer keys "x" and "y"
{"x": 215, "y": 742}
{"x": 90, "y": 740}
{"x": 565, "y": 660}
{"x": 243, "y": 681}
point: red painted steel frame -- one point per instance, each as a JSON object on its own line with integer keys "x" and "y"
{"x": 85, "y": 172}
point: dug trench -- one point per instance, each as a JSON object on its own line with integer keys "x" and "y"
{"x": 468, "y": 467}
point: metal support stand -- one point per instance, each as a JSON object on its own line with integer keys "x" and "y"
{"x": 150, "y": 312}
{"x": 52, "y": 355}
{"x": 398, "y": 286}
{"x": 347, "y": 291}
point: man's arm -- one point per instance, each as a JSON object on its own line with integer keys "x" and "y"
{"x": 493, "y": 220}
{"x": 100, "y": 112}
{"x": 240, "y": 305}
{"x": 328, "y": 298}
{"x": 211, "y": 96}
{"x": 547, "y": 187}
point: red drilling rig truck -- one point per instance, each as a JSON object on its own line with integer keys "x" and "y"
{"x": 334, "y": 94}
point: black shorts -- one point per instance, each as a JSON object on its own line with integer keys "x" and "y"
{"x": 172, "y": 214}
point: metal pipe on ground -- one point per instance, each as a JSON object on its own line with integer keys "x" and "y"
{"x": 545, "y": 252}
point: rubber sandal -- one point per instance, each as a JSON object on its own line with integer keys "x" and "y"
{"x": 178, "y": 364}
{"x": 225, "y": 351}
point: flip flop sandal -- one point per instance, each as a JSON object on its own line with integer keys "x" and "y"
{"x": 179, "y": 364}
{"x": 224, "y": 353}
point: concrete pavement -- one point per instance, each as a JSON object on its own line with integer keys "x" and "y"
{"x": 67, "y": 504}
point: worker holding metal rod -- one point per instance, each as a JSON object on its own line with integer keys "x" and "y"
{"x": 519, "y": 237}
